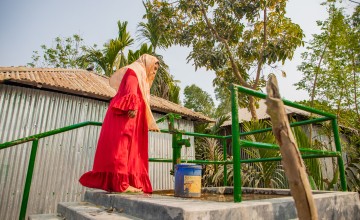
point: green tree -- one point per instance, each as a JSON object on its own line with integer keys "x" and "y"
{"x": 266, "y": 174}
{"x": 132, "y": 56}
{"x": 151, "y": 32}
{"x": 269, "y": 174}
{"x": 331, "y": 66}
{"x": 261, "y": 174}
{"x": 222, "y": 92}
{"x": 71, "y": 53}
{"x": 223, "y": 96}
{"x": 64, "y": 54}
{"x": 331, "y": 75}
{"x": 352, "y": 171}
{"x": 239, "y": 36}
{"x": 198, "y": 100}
{"x": 164, "y": 86}
{"x": 354, "y": 51}
{"x": 210, "y": 149}
{"x": 111, "y": 57}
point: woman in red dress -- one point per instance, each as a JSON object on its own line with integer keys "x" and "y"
{"x": 121, "y": 158}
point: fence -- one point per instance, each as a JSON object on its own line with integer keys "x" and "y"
{"x": 178, "y": 141}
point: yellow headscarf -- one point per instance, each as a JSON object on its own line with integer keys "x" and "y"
{"x": 142, "y": 67}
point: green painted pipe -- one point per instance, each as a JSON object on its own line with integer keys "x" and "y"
{"x": 48, "y": 133}
{"x": 192, "y": 134}
{"x": 294, "y": 124}
{"x": 35, "y": 140}
{"x": 286, "y": 102}
{"x": 269, "y": 159}
{"x": 28, "y": 180}
{"x": 276, "y": 147}
{"x": 163, "y": 160}
{"x": 340, "y": 159}
{"x": 236, "y": 144}
{"x": 308, "y": 156}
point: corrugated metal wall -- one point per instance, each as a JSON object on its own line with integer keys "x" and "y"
{"x": 61, "y": 159}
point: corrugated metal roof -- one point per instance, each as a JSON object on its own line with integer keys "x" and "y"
{"x": 245, "y": 115}
{"x": 84, "y": 83}
{"x": 162, "y": 105}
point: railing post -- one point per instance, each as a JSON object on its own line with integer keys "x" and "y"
{"x": 225, "y": 158}
{"x": 340, "y": 159}
{"x": 29, "y": 175}
{"x": 236, "y": 144}
{"x": 176, "y": 147}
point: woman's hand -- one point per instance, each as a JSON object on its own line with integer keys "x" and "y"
{"x": 132, "y": 113}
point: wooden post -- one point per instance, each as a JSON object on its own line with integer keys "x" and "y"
{"x": 291, "y": 158}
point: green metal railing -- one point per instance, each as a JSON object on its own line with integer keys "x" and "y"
{"x": 238, "y": 144}
{"x": 178, "y": 142}
{"x": 35, "y": 142}
{"x": 34, "y": 147}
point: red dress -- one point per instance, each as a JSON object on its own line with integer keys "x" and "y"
{"x": 121, "y": 157}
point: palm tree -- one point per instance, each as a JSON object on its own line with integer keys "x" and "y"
{"x": 313, "y": 166}
{"x": 152, "y": 30}
{"x": 352, "y": 172}
{"x": 111, "y": 57}
{"x": 266, "y": 174}
{"x": 210, "y": 149}
{"x": 164, "y": 85}
{"x": 270, "y": 174}
{"x": 263, "y": 174}
{"x": 134, "y": 55}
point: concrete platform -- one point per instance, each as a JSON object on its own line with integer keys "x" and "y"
{"x": 331, "y": 206}
{"x": 88, "y": 211}
{"x": 46, "y": 217}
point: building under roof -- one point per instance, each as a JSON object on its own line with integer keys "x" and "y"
{"x": 36, "y": 100}
{"x": 86, "y": 84}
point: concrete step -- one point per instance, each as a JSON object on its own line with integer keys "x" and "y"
{"x": 330, "y": 205}
{"x": 89, "y": 211}
{"x": 144, "y": 206}
{"x": 46, "y": 217}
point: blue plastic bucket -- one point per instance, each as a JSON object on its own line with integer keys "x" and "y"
{"x": 187, "y": 180}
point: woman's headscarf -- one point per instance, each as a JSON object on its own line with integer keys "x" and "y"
{"x": 142, "y": 67}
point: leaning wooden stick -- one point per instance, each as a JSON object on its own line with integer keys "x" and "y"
{"x": 291, "y": 157}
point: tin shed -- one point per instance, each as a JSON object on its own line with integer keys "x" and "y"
{"x": 35, "y": 100}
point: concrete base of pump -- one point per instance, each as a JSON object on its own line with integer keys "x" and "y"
{"x": 330, "y": 205}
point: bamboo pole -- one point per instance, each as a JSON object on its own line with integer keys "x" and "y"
{"x": 293, "y": 164}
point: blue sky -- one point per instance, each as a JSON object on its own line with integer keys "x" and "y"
{"x": 25, "y": 25}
